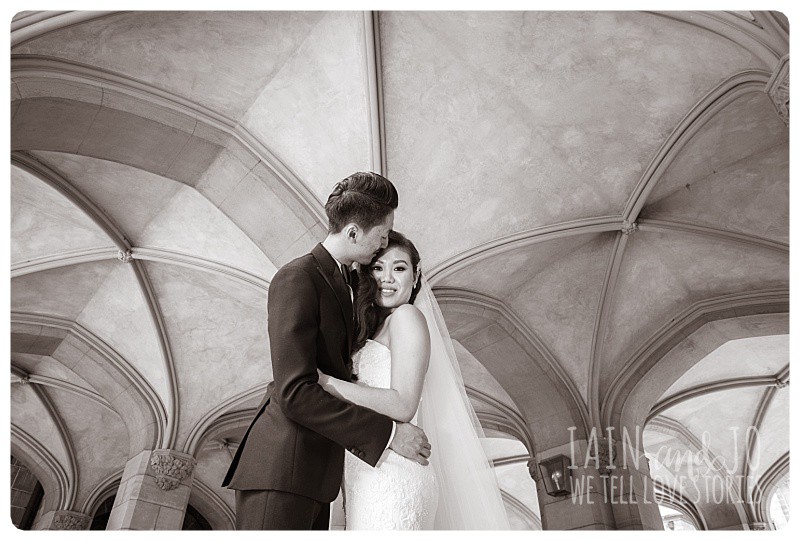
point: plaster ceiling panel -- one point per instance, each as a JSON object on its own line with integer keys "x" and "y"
{"x": 513, "y": 368}
{"x": 544, "y": 117}
{"x": 772, "y": 440}
{"x": 189, "y": 223}
{"x": 476, "y": 376}
{"x": 560, "y": 304}
{"x": 757, "y": 356}
{"x": 751, "y": 196}
{"x": 672, "y": 271}
{"x": 555, "y": 287}
{"x": 119, "y": 315}
{"x": 99, "y": 438}
{"x": 218, "y": 59}
{"x": 502, "y": 274}
{"x": 749, "y": 126}
{"x": 217, "y": 326}
{"x": 676, "y": 464}
{"x": 61, "y": 292}
{"x": 722, "y": 418}
{"x": 130, "y": 197}
{"x": 44, "y": 222}
{"x": 28, "y": 413}
{"x": 315, "y": 114}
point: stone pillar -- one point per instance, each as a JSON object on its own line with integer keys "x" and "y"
{"x": 586, "y": 508}
{"x": 154, "y": 491}
{"x": 631, "y": 489}
{"x": 63, "y": 520}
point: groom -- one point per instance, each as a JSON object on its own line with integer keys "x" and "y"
{"x": 289, "y": 465}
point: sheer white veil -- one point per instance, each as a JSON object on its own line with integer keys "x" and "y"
{"x": 469, "y": 497}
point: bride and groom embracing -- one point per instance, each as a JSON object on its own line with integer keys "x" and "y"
{"x": 414, "y": 456}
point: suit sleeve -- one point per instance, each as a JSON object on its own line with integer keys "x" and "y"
{"x": 293, "y": 324}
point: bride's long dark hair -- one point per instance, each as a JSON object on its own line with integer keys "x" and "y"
{"x": 370, "y": 316}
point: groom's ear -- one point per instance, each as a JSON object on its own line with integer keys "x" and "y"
{"x": 351, "y": 230}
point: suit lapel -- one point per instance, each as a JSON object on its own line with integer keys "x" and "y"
{"x": 329, "y": 270}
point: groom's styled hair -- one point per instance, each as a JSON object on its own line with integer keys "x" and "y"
{"x": 364, "y": 198}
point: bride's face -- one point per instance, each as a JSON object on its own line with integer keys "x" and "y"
{"x": 395, "y": 277}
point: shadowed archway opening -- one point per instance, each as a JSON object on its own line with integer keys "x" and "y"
{"x": 26, "y": 495}
{"x": 192, "y": 520}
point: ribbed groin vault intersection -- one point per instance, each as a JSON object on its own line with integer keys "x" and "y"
{"x": 601, "y": 201}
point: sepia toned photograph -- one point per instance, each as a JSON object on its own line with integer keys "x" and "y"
{"x": 399, "y": 270}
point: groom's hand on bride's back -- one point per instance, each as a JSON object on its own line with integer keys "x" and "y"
{"x": 411, "y": 442}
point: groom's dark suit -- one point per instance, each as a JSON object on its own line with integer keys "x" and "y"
{"x": 295, "y": 444}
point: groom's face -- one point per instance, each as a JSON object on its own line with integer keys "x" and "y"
{"x": 373, "y": 240}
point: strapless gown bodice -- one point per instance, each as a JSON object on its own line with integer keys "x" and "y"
{"x": 397, "y": 494}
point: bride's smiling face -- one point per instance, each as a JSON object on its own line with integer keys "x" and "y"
{"x": 394, "y": 274}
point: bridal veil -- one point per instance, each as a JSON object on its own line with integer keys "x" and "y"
{"x": 469, "y": 497}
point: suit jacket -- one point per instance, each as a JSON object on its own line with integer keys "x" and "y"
{"x": 297, "y": 439}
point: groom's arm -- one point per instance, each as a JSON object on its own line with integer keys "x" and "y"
{"x": 293, "y": 326}
{"x": 408, "y": 334}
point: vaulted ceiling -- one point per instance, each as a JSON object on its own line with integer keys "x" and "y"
{"x": 575, "y": 183}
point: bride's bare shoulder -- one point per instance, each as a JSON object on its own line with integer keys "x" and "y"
{"x": 407, "y": 321}
{"x": 406, "y": 313}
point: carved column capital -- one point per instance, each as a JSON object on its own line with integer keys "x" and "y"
{"x": 778, "y": 89}
{"x": 70, "y": 520}
{"x": 171, "y": 467}
{"x": 604, "y": 453}
{"x": 533, "y": 470}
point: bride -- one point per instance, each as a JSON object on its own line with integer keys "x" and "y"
{"x": 407, "y": 370}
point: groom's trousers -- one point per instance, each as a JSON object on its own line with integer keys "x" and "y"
{"x": 276, "y": 510}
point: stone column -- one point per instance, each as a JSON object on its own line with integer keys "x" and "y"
{"x": 631, "y": 489}
{"x": 154, "y": 491}
{"x": 63, "y": 520}
{"x": 587, "y": 507}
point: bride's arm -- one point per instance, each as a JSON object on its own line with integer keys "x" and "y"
{"x": 408, "y": 335}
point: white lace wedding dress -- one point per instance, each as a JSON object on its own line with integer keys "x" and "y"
{"x": 397, "y": 494}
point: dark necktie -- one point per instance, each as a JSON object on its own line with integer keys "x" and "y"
{"x": 346, "y": 275}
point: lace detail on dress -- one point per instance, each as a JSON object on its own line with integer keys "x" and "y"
{"x": 397, "y": 494}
